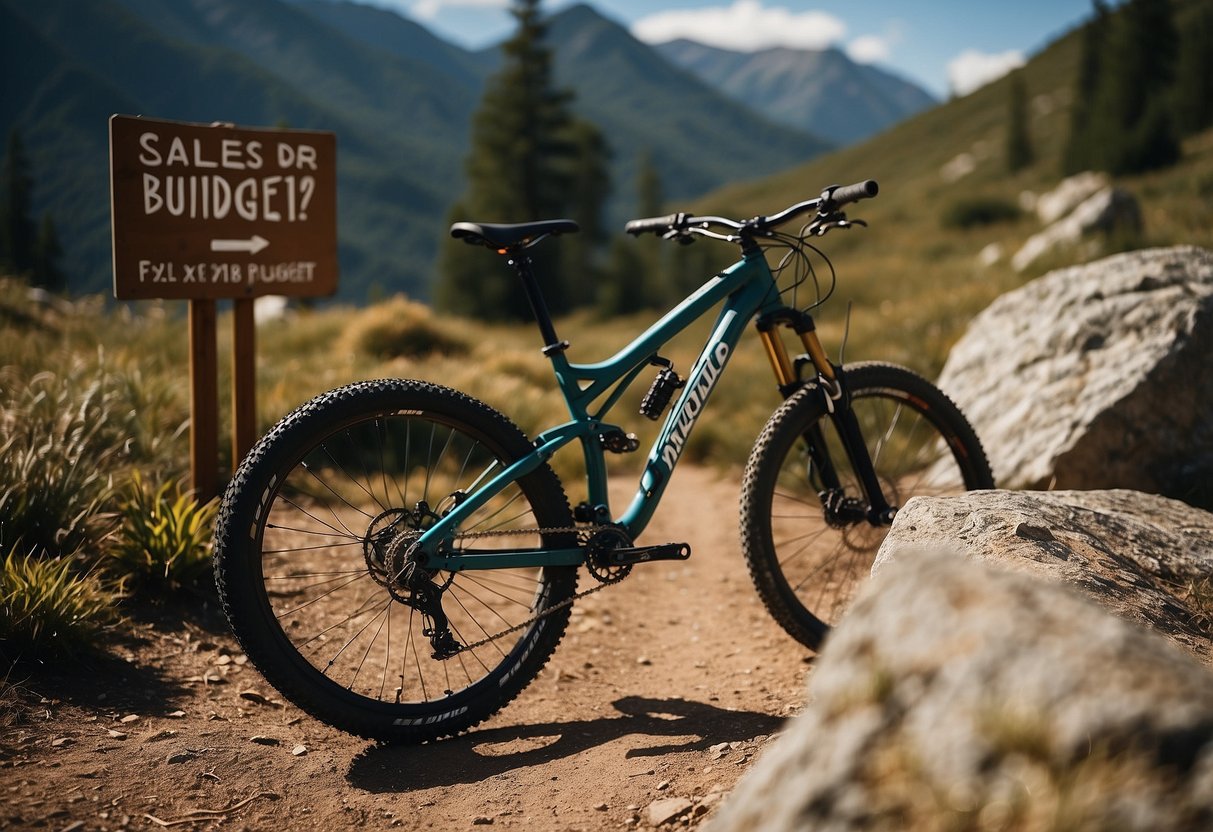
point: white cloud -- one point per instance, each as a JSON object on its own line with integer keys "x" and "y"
{"x": 971, "y": 70}
{"x": 868, "y": 49}
{"x": 429, "y": 9}
{"x": 746, "y": 25}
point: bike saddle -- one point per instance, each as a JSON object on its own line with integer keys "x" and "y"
{"x": 510, "y": 236}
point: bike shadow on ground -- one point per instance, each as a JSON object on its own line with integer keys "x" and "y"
{"x": 481, "y": 754}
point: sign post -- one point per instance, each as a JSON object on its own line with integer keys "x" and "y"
{"x": 208, "y": 212}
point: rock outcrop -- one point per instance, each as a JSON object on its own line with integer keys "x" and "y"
{"x": 1107, "y": 210}
{"x": 1068, "y": 195}
{"x": 1097, "y": 376}
{"x": 955, "y": 695}
{"x": 1145, "y": 558}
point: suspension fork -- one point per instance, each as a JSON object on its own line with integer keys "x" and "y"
{"x": 832, "y": 383}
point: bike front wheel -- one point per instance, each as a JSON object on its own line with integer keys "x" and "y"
{"x": 311, "y": 561}
{"x": 807, "y": 560}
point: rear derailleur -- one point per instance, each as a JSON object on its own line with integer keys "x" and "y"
{"x": 389, "y": 549}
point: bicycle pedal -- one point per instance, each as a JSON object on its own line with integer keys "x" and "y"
{"x": 618, "y": 442}
{"x": 644, "y": 554}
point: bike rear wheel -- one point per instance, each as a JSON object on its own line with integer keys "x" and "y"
{"x": 312, "y": 540}
{"x": 807, "y": 562}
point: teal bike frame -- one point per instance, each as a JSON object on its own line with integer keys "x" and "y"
{"x": 747, "y": 289}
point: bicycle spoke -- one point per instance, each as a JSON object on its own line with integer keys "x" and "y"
{"x": 322, "y": 546}
{"x": 319, "y": 597}
{"x": 324, "y": 449}
{"x": 358, "y": 669}
{"x": 475, "y": 621}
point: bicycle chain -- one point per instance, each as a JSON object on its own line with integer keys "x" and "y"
{"x": 578, "y": 530}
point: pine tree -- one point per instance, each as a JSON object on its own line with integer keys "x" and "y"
{"x": 636, "y": 272}
{"x": 45, "y": 265}
{"x": 590, "y": 184}
{"x": 1019, "y": 143}
{"x": 1080, "y": 153}
{"x": 16, "y": 188}
{"x": 1194, "y": 74}
{"x": 650, "y": 199}
{"x": 527, "y": 155}
{"x": 1132, "y": 124}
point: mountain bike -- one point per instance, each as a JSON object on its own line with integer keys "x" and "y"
{"x": 399, "y": 560}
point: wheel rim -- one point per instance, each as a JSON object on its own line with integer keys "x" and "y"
{"x": 822, "y": 564}
{"x": 325, "y": 570}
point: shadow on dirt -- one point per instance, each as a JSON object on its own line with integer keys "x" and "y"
{"x": 473, "y": 757}
{"x": 128, "y": 669}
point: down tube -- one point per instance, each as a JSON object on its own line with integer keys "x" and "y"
{"x": 672, "y": 440}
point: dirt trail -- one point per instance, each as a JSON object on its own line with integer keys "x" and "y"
{"x": 652, "y": 677}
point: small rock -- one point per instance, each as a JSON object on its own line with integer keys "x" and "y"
{"x": 179, "y": 757}
{"x": 600, "y": 807}
{"x": 116, "y": 735}
{"x": 73, "y": 827}
{"x": 176, "y": 715}
{"x": 129, "y": 718}
{"x": 667, "y": 809}
{"x": 60, "y": 742}
{"x": 482, "y": 820}
{"x": 299, "y": 750}
{"x": 260, "y": 740}
{"x": 644, "y": 660}
{"x": 255, "y": 696}
{"x": 663, "y": 785}
{"x": 160, "y": 735}
{"x": 223, "y": 660}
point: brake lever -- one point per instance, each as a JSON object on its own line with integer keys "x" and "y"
{"x": 835, "y": 221}
{"x": 680, "y": 235}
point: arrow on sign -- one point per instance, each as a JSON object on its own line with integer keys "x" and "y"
{"x": 256, "y": 244}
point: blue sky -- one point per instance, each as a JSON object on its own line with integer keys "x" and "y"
{"x": 944, "y": 45}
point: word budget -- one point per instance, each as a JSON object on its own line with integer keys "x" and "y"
{"x": 212, "y": 179}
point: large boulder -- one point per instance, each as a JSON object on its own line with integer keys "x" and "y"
{"x": 1097, "y": 376}
{"x": 956, "y": 696}
{"x": 1106, "y": 211}
{"x": 1146, "y": 558}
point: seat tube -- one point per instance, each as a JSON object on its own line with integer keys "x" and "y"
{"x": 551, "y": 343}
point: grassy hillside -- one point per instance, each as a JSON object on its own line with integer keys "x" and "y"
{"x": 916, "y": 283}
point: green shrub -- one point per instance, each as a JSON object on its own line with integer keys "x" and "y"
{"x": 47, "y": 607}
{"x": 68, "y": 436}
{"x": 401, "y": 328}
{"x": 164, "y": 537}
{"x": 56, "y": 463}
{"x": 979, "y": 211}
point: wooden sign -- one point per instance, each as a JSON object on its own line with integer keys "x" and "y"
{"x": 214, "y": 211}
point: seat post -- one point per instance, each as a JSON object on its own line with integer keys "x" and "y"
{"x": 551, "y": 343}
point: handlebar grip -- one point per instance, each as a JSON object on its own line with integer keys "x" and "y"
{"x": 657, "y": 225}
{"x": 839, "y": 195}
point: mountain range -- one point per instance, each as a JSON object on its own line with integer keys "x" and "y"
{"x": 824, "y": 92}
{"x": 399, "y": 98}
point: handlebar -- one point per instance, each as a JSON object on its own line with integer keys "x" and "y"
{"x": 831, "y": 199}
{"x": 845, "y": 194}
{"x": 657, "y": 225}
